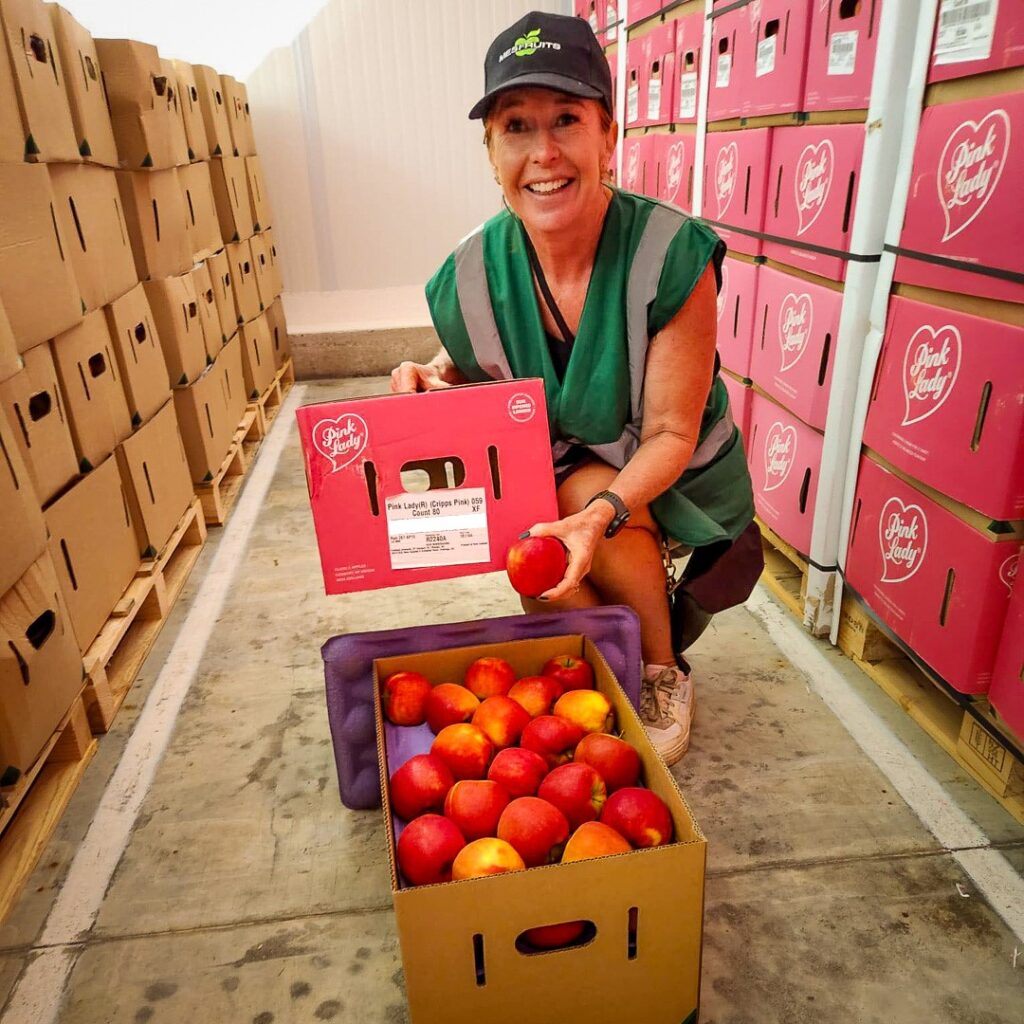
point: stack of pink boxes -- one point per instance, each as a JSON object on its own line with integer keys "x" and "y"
{"x": 935, "y": 540}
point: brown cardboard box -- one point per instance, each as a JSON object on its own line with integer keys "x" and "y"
{"x": 37, "y": 287}
{"x": 39, "y": 82}
{"x": 208, "y": 314}
{"x": 176, "y": 110}
{"x": 195, "y": 130}
{"x": 22, "y": 530}
{"x": 35, "y": 410}
{"x": 156, "y": 480}
{"x": 231, "y": 196}
{"x": 204, "y": 226}
{"x": 12, "y": 135}
{"x": 214, "y": 109}
{"x": 93, "y": 547}
{"x": 154, "y": 207}
{"x": 92, "y": 223}
{"x": 179, "y": 327}
{"x": 140, "y": 356}
{"x": 258, "y": 367}
{"x": 90, "y": 382}
{"x": 239, "y": 120}
{"x": 224, "y": 292}
{"x": 259, "y": 202}
{"x": 210, "y": 410}
{"x": 645, "y": 907}
{"x": 10, "y": 361}
{"x": 83, "y": 76}
{"x": 264, "y": 272}
{"x": 141, "y": 112}
{"x": 40, "y": 664}
{"x": 243, "y": 280}
{"x": 278, "y": 333}
{"x": 276, "y": 278}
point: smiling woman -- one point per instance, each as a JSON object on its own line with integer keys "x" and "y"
{"x": 608, "y": 297}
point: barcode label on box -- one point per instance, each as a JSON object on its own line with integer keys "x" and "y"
{"x": 654, "y": 99}
{"x": 842, "y": 53}
{"x": 966, "y": 29}
{"x": 632, "y": 104}
{"x": 688, "y": 94}
{"x": 611, "y": 17}
{"x": 593, "y": 21}
{"x": 724, "y": 71}
{"x": 445, "y": 527}
{"x": 766, "y": 56}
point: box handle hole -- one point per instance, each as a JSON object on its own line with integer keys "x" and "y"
{"x": 370, "y": 472}
{"x": 41, "y": 629}
{"x": 433, "y": 474}
{"x": 160, "y": 84}
{"x": 39, "y": 406}
{"x": 97, "y": 365}
{"x": 492, "y": 462}
{"x": 632, "y": 933}
{"x": 979, "y": 426}
{"x": 554, "y": 938}
{"x": 947, "y": 597}
{"x": 823, "y": 367}
{"x": 38, "y": 47}
{"x": 140, "y": 333}
{"x": 805, "y": 487}
{"x": 478, "y": 960}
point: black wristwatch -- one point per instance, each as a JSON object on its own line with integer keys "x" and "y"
{"x": 621, "y": 512}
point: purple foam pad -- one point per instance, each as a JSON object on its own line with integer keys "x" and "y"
{"x": 348, "y": 673}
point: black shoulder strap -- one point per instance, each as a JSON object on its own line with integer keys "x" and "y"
{"x": 567, "y": 335}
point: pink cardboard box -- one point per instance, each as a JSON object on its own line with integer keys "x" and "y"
{"x": 947, "y": 406}
{"x": 658, "y": 74}
{"x": 740, "y": 399}
{"x": 780, "y": 34}
{"x": 689, "y": 43}
{"x": 737, "y": 301}
{"x": 972, "y": 37}
{"x": 841, "y": 55}
{"x": 611, "y": 22}
{"x": 675, "y": 158}
{"x": 1006, "y": 694}
{"x": 639, "y": 163}
{"x": 784, "y": 455}
{"x": 965, "y": 198}
{"x": 813, "y": 195}
{"x": 796, "y": 326}
{"x": 634, "y": 83}
{"x": 639, "y": 10}
{"x": 478, "y": 455}
{"x": 932, "y": 578}
{"x": 591, "y": 11}
{"x": 736, "y": 185}
{"x": 731, "y": 63}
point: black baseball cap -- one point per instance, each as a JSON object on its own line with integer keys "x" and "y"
{"x": 553, "y": 51}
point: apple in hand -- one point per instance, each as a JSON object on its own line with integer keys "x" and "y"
{"x": 518, "y": 771}
{"x": 552, "y": 737}
{"x": 537, "y": 830}
{"x": 405, "y": 698}
{"x": 537, "y": 694}
{"x": 573, "y": 673}
{"x": 576, "y": 790}
{"x": 639, "y": 815}
{"x": 465, "y": 749}
{"x": 613, "y": 759}
{"x": 449, "y": 704}
{"x": 501, "y": 720}
{"x": 475, "y": 805}
{"x": 536, "y": 564}
{"x": 594, "y": 839}
{"x": 427, "y": 849}
{"x": 490, "y": 677}
{"x": 419, "y": 785}
{"x": 486, "y": 857}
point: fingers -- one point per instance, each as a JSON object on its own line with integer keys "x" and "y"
{"x": 407, "y": 377}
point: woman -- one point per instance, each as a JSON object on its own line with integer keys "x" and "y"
{"x": 611, "y": 299}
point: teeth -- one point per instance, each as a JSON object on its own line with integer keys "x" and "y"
{"x": 544, "y": 187}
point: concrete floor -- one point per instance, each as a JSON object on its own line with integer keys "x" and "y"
{"x": 247, "y": 892}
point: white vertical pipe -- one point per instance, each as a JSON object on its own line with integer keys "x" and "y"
{"x": 620, "y": 84}
{"x": 703, "y": 87}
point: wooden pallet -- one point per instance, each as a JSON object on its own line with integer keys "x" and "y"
{"x": 220, "y": 494}
{"x": 31, "y": 809}
{"x": 180, "y": 553}
{"x": 958, "y": 728}
{"x": 785, "y": 571}
{"x": 268, "y": 405}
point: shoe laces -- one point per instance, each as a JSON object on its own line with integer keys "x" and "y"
{"x": 656, "y": 697}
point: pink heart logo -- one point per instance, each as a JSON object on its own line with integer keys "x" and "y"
{"x": 970, "y": 167}
{"x": 931, "y": 365}
{"x": 796, "y": 314}
{"x": 723, "y": 292}
{"x": 725, "y": 176}
{"x": 812, "y": 181}
{"x": 1009, "y": 569}
{"x": 342, "y": 440}
{"x": 632, "y": 174}
{"x": 779, "y": 454}
{"x": 903, "y": 538}
{"x": 674, "y": 173}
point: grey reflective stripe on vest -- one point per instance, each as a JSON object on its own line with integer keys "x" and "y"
{"x": 475, "y": 303}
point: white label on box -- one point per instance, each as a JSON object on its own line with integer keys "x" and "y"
{"x": 611, "y": 16}
{"x": 842, "y": 53}
{"x": 723, "y": 72}
{"x": 688, "y": 94}
{"x": 766, "y": 49}
{"x": 593, "y": 21}
{"x": 444, "y": 527}
{"x": 966, "y": 28}
{"x": 632, "y": 104}
{"x": 654, "y": 99}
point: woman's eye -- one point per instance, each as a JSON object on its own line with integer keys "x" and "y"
{"x": 514, "y": 126}
{"x": 566, "y": 119}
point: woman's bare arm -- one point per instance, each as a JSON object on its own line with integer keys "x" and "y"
{"x": 440, "y": 372}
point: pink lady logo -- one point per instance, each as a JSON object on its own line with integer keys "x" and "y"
{"x": 779, "y": 453}
{"x": 812, "y": 181}
{"x": 723, "y": 292}
{"x": 903, "y": 537}
{"x": 341, "y": 441}
{"x": 796, "y": 314}
{"x": 725, "y": 176}
{"x": 930, "y": 368}
{"x": 633, "y": 166}
{"x": 970, "y": 168}
{"x": 675, "y": 171}
{"x": 1009, "y": 569}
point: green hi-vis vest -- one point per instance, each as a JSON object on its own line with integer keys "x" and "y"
{"x": 649, "y": 258}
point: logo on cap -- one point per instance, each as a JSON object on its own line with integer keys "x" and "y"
{"x": 528, "y": 45}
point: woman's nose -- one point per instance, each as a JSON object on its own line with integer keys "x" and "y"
{"x": 545, "y": 148}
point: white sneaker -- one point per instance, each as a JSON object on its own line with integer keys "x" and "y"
{"x": 657, "y": 713}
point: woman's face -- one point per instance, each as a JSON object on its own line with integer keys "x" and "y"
{"x": 549, "y": 152}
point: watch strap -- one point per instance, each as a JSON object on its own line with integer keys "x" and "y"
{"x": 621, "y": 511}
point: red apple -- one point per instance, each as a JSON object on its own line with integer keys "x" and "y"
{"x": 576, "y": 790}
{"x": 537, "y": 829}
{"x": 613, "y": 759}
{"x": 475, "y": 805}
{"x": 591, "y": 710}
{"x": 594, "y": 839}
{"x": 501, "y": 720}
{"x": 465, "y": 749}
{"x": 639, "y": 815}
{"x": 552, "y": 737}
{"x": 490, "y": 677}
{"x": 419, "y": 785}
{"x": 427, "y": 848}
{"x": 486, "y": 857}
{"x": 573, "y": 673}
{"x": 405, "y": 698}
{"x": 449, "y": 704}
{"x": 554, "y": 936}
{"x": 536, "y": 564}
{"x": 537, "y": 694}
{"x": 519, "y": 771}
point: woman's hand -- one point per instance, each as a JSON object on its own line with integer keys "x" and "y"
{"x": 410, "y": 376}
{"x": 580, "y": 533}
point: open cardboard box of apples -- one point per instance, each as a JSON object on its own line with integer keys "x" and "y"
{"x": 556, "y": 904}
